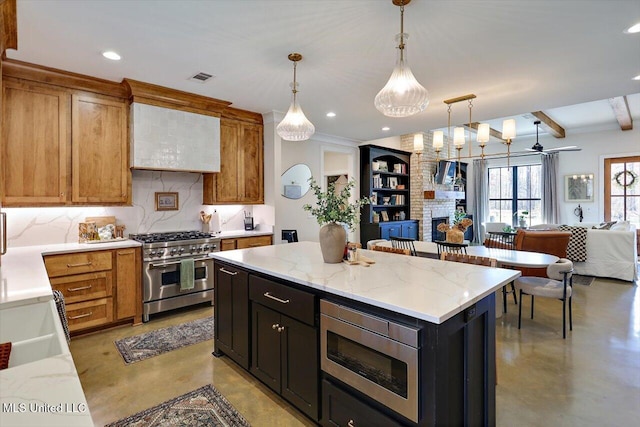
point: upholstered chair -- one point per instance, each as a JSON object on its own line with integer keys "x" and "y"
{"x": 547, "y": 242}
{"x": 557, "y": 285}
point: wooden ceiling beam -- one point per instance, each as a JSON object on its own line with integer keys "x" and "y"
{"x": 621, "y": 111}
{"x": 494, "y": 133}
{"x": 548, "y": 125}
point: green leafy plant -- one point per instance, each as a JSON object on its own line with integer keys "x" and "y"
{"x": 335, "y": 207}
{"x": 521, "y": 214}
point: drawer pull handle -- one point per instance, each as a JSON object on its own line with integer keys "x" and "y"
{"x": 255, "y": 244}
{"x": 82, "y": 288}
{"x": 82, "y": 264}
{"x": 125, "y": 253}
{"x": 351, "y": 423}
{"x": 283, "y": 301}
{"x": 80, "y": 316}
{"x": 231, "y": 273}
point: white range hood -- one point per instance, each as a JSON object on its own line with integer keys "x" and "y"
{"x": 167, "y": 139}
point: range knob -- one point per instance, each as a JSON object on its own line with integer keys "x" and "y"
{"x": 205, "y": 248}
{"x": 152, "y": 253}
{"x": 173, "y": 251}
{"x": 160, "y": 252}
{"x": 181, "y": 250}
{"x": 192, "y": 249}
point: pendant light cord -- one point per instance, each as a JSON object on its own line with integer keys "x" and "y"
{"x": 401, "y": 46}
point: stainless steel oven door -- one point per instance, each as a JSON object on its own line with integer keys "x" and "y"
{"x": 383, "y": 369}
{"x": 162, "y": 278}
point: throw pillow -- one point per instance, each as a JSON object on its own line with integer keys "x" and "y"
{"x": 621, "y": 226}
{"x": 577, "y": 248}
{"x": 604, "y": 225}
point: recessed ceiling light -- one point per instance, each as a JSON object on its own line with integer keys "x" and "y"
{"x": 331, "y": 114}
{"x": 633, "y": 29}
{"x": 111, "y": 55}
{"x": 636, "y": 77}
{"x": 386, "y": 128}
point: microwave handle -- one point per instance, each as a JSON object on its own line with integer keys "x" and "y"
{"x": 3, "y": 228}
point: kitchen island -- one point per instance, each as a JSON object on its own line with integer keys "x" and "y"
{"x": 441, "y": 314}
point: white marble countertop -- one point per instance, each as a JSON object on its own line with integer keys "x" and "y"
{"x": 23, "y": 277}
{"x": 424, "y": 288}
{"x": 233, "y": 234}
{"x": 48, "y": 391}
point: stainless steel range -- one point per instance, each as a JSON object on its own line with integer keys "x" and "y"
{"x": 163, "y": 255}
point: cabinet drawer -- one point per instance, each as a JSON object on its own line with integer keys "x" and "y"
{"x": 88, "y": 314}
{"x": 292, "y": 302}
{"x": 80, "y": 262}
{"x": 253, "y": 242}
{"x": 83, "y": 287}
{"x": 342, "y": 409}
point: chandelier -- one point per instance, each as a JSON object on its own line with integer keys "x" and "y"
{"x": 402, "y": 96}
{"x": 460, "y": 137}
{"x": 295, "y": 126}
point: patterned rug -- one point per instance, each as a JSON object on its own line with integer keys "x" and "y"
{"x": 202, "y": 407}
{"x": 143, "y": 346}
{"x": 583, "y": 280}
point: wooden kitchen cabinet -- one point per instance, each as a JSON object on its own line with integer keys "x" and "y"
{"x": 245, "y": 242}
{"x": 241, "y": 176}
{"x": 128, "y": 284}
{"x": 284, "y": 342}
{"x": 100, "y": 288}
{"x": 100, "y": 166}
{"x": 231, "y": 299}
{"x": 62, "y": 145}
{"x": 35, "y": 144}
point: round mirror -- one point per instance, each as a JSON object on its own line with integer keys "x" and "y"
{"x": 295, "y": 181}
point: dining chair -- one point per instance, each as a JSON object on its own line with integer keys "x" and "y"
{"x": 404, "y": 243}
{"x": 443, "y": 246}
{"x": 468, "y": 259}
{"x": 500, "y": 239}
{"x": 558, "y": 285}
{"x": 290, "y": 236}
{"x": 392, "y": 250}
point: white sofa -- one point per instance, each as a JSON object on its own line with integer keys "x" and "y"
{"x": 610, "y": 253}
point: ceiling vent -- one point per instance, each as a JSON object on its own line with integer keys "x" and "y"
{"x": 201, "y": 77}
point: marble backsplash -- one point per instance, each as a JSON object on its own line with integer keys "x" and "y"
{"x": 37, "y": 226}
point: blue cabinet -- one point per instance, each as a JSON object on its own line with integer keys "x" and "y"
{"x": 407, "y": 229}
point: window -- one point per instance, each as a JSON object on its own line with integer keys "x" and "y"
{"x": 514, "y": 190}
{"x": 622, "y": 189}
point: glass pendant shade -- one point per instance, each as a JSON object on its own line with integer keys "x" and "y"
{"x": 509, "y": 129}
{"x": 295, "y": 126}
{"x": 483, "y": 133}
{"x": 402, "y": 96}
{"x": 458, "y": 137}
{"x": 438, "y": 139}
{"x": 418, "y": 143}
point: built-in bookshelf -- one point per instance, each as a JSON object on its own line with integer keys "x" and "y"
{"x": 385, "y": 178}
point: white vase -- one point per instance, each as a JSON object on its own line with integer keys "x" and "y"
{"x": 333, "y": 239}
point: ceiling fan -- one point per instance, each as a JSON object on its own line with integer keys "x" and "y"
{"x": 540, "y": 149}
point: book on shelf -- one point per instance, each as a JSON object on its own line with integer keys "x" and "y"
{"x": 377, "y": 181}
{"x": 393, "y": 199}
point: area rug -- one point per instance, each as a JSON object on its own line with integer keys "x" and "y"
{"x": 202, "y": 407}
{"x": 583, "y": 280}
{"x": 143, "y": 346}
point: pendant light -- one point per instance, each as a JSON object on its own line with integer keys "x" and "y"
{"x": 402, "y": 96}
{"x": 295, "y": 126}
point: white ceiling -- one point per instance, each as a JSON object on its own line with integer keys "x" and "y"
{"x": 517, "y": 56}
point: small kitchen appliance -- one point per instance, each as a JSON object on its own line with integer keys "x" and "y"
{"x": 248, "y": 221}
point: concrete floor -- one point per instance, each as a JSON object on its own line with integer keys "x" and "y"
{"x": 590, "y": 379}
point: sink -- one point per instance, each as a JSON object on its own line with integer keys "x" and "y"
{"x": 34, "y": 331}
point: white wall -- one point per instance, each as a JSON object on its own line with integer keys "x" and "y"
{"x": 596, "y": 146}
{"x": 288, "y": 212}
